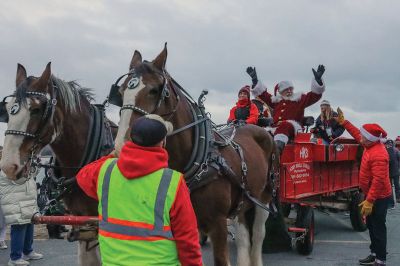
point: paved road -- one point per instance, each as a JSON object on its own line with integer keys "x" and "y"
{"x": 336, "y": 244}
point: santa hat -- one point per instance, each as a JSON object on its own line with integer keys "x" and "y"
{"x": 325, "y": 102}
{"x": 373, "y": 132}
{"x": 245, "y": 89}
{"x": 283, "y": 85}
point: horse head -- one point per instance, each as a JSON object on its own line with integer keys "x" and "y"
{"x": 146, "y": 89}
{"x": 29, "y": 114}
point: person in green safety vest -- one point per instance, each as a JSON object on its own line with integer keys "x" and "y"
{"x": 145, "y": 213}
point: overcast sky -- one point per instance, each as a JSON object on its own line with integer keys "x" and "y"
{"x": 210, "y": 44}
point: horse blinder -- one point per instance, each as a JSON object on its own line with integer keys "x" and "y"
{"x": 115, "y": 96}
{"x": 3, "y": 109}
{"x": 3, "y": 112}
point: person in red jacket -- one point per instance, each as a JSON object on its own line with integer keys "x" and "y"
{"x": 375, "y": 184}
{"x": 288, "y": 106}
{"x": 142, "y": 156}
{"x": 244, "y": 110}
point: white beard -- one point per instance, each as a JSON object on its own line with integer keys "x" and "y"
{"x": 295, "y": 97}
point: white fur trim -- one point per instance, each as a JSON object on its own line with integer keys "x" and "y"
{"x": 368, "y": 135}
{"x": 295, "y": 97}
{"x": 283, "y": 85}
{"x": 270, "y": 129}
{"x": 281, "y": 137}
{"x": 296, "y": 126}
{"x": 258, "y": 89}
{"x": 316, "y": 88}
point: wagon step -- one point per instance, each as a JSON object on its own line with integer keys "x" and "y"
{"x": 297, "y": 229}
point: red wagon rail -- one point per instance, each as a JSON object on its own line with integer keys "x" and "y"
{"x": 65, "y": 220}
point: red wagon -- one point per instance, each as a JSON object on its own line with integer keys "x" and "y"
{"x": 314, "y": 175}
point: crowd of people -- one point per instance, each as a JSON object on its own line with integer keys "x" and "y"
{"x": 142, "y": 188}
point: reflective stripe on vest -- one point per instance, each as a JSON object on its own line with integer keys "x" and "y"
{"x": 111, "y": 227}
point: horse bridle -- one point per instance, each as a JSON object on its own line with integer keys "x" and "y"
{"x": 45, "y": 118}
{"x": 115, "y": 97}
{"x": 48, "y": 112}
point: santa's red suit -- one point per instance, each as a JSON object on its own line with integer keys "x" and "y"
{"x": 288, "y": 111}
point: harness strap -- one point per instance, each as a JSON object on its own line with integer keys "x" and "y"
{"x": 187, "y": 126}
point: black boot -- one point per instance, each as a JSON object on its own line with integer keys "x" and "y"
{"x": 370, "y": 260}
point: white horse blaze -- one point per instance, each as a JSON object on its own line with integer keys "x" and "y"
{"x": 12, "y": 143}
{"x": 126, "y": 114}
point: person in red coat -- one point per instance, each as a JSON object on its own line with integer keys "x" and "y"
{"x": 288, "y": 106}
{"x": 143, "y": 155}
{"x": 375, "y": 184}
{"x": 244, "y": 110}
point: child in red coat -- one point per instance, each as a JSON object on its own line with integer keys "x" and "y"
{"x": 244, "y": 110}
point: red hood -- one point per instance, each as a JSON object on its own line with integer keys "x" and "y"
{"x": 137, "y": 161}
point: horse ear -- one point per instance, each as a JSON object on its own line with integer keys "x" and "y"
{"x": 45, "y": 77}
{"x": 161, "y": 59}
{"x": 136, "y": 60}
{"x": 21, "y": 75}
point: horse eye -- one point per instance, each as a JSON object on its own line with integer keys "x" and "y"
{"x": 35, "y": 111}
{"x": 153, "y": 92}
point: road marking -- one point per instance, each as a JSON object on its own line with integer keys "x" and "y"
{"x": 342, "y": 241}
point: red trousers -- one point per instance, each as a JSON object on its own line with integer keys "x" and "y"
{"x": 286, "y": 131}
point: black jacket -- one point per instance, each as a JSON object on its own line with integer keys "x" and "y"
{"x": 394, "y": 161}
{"x": 328, "y": 130}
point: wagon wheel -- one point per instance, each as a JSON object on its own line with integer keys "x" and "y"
{"x": 305, "y": 219}
{"x": 357, "y": 221}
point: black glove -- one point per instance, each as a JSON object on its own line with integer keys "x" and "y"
{"x": 318, "y": 74}
{"x": 253, "y": 74}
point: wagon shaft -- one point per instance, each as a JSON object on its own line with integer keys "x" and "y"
{"x": 67, "y": 220}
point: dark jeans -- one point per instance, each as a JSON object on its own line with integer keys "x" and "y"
{"x": 376, "y": 223}
{"x": 21, "y": 240}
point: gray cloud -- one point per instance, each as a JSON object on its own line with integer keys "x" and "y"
{"x": 210, "y": 43}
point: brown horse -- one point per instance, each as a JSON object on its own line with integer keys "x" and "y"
{"x": 49, "y": 111}
{"x": 149, "y": 89}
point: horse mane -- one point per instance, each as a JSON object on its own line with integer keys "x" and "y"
{"x": 70, "y": 93}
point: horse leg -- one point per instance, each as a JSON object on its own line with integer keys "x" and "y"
{"x": 88, "y": 257}
{"x": 242, "y": 241}
{"x": 218, "y": 235}
{"x": 258, "y": 235}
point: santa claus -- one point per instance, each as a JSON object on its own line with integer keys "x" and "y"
{"x": 288, "y": 106}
